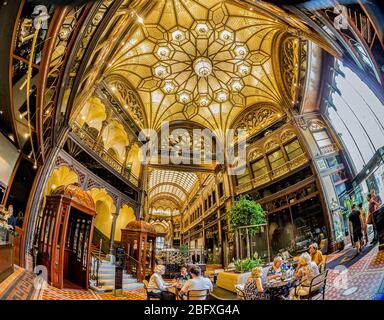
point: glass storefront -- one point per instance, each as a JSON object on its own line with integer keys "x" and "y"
{"x": 295, "y": 227}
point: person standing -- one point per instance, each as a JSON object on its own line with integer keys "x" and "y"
{"x": 355, "y": 227}
{"x": 373, "y": 205}
{"x": 11, "y": 218}
{"x": 364, "y": 218}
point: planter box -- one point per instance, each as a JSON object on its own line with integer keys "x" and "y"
{"x": 228, "y": 280}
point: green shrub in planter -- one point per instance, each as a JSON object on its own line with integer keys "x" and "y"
{"x": 246, "y": 265}
{"x": 246, "y": 212}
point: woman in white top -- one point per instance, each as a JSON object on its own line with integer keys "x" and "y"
{"x": 306, "y": 271}
{"x": 198, "y": 282}
{"x": 156, "y": 283}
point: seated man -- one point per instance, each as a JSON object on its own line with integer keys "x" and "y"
{"x": 184, "y": 275}
{"x": 316, "y": 255}
{"x": 198, "y": 282}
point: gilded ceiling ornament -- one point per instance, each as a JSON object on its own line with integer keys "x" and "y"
{"x": 287, "y": 135}
{"x": 315, "y": 125}
{"x": 256, "y": 120}
{"x": 129, "y": 100}
{"x": 201, "y": 62}
{"x": 290, "y": 66}
{"x": 270, "y": 145}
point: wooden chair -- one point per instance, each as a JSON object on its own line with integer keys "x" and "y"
{"x": 149, "y": 296}
{"x": 316, "y": 286}
{"x": 198, "y": 294}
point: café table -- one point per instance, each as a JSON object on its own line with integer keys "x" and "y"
{"x": 280, "y": 287}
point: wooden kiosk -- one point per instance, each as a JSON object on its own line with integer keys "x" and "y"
{"x": 65, "y": 236}
{"x": 139, "y": 240}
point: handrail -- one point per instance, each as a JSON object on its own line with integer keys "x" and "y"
{"x": 95, "y": 268}
{"x": 103, "y": 154}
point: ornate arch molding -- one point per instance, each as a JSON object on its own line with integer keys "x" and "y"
{"x": 169, "y": 184}
{"x": 271, "y": 142}
{"x": 257, "y": 118}
{"x": 169, "y": 196}
{"x": 129, "y": 98}
{"x": 288, "y": 60}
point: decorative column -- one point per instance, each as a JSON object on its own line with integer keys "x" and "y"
{"x": 112, "y": 237}
{"x": 99, "y": 138}
{"x": 124, "y": 166}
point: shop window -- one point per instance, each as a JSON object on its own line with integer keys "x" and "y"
{"x": 281, "y": 231}
{"x": 243, "y": 178}
{"x": 334, "y": 161}
{"x": 276, "y": 159}
{"x": 159, "y": 243}
{"x": 293, "y": 149}
{"x": 259, "y": 168}
{"x": 214, "y": 197}
{"x": 221, "y": 190}
{"x": 338, "y": 176}
{"x": 308, "y": 222}
{"x": 322, "y": 138}
{"x": 340, "y": 188}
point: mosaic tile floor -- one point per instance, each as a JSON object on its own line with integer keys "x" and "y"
{"x": 350, "y": 278}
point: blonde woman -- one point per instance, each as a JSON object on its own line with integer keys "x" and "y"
{"x": 306, "y": 271}
{"x": 156, "y": 283}
{"x": 254, "y": 286}
{"x": 277, "y": 269}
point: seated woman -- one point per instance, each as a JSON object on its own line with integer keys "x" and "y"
{"x": 305, "y": 272}
{"x": 156, "y": 284}
{"x": 277, "y": 269}
{"x": 198, "y": 282}
{"x": 184, "y": 275}
{"x": 316, "y": 255}
{"x": 253, "y": 289}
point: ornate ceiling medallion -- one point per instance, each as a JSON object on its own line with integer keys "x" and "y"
{"x": 188, "y": 66}
{"x": 202, "y": 67}
{"x": 200, "y": 60}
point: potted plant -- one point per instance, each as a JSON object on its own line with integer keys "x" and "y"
{"x": 246, "y": 265}
{"x": 246, "y": 212}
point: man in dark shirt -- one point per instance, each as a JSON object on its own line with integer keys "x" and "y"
{"x": 184, "y": 275}
{"x": 355, "y": 227}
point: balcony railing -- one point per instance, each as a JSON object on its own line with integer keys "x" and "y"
{"x": 98, "y": 148}
{"x": 273, "y": 174}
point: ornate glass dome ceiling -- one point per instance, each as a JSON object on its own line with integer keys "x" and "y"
{"x": 203, "y": 61}
{"x": 168, "y": 190}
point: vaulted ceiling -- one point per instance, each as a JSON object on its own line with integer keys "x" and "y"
{"x": 200, "y": 60}
{"x": 207, "y": 63}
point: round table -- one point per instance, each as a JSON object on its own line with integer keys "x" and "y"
{"x": 279, "y": 288}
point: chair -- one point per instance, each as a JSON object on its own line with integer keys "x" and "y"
{"x": 316, "y": 286}
{"x": 240, "y": 292}
{"x": 323, "y": 264}
{"x": 149, "y": 294}
{"x": 198, "y": 294}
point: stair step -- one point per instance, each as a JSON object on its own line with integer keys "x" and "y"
{"x": 126, "y": 287}
{"x": 111, "y": 282}
{"x": 112, "y": 276}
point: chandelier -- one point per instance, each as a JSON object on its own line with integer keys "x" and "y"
{"x": 202, "y": 67}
